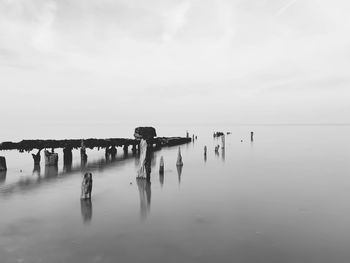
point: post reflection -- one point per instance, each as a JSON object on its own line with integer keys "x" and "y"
{"x": 144, "y": 187}
{"x": 37, "y": 170}
{"x": 179, "y": 172}
{"x": 51, "y": 171}
{"x": 86, "y": 210}
{"x": 3, "y": 176}
{"x": 161, "y": 179}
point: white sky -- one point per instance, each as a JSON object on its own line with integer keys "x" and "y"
{"x": 162, "y": 61}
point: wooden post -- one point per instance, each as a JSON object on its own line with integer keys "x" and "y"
{"x": 252, "y": 136}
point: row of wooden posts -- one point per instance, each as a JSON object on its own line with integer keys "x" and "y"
{"x": 51, "y": 158}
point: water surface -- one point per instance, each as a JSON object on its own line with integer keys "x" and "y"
{"x": 282, "y": 198}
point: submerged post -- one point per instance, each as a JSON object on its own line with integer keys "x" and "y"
{"x": 3, "y": 166}
{"x": 86, "y": 186}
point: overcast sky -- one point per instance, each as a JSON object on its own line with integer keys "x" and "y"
{"x": 137, "y": 61}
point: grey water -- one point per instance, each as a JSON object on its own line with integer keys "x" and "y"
{"x": 284, "y": 197}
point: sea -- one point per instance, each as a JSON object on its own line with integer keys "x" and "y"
{"x": 282, "y": 197}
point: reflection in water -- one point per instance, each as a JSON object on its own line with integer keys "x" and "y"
{"x": 83, "y": 163}
{"x": 161, "y": 179}
{"x": 179, "y": 172}
{"x": 2, "y": 176}
{"x": 144, "y": 187}
{"x": 137, "y": 159}
{"x": 67, "y": 167}
{"x": 86, "y": 210}
{"x": 37, "y": 170}
{"x": 223, "y": 154}
{"x": 51, "y": 171}
{"x": 205, "y": 158}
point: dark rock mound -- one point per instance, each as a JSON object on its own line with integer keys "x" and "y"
{"x": 145, "y": 133}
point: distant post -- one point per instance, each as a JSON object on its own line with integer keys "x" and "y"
{"x": 252, "y": 136}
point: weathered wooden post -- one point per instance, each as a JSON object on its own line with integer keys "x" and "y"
{"x": 138, "y": 148}
{"x": 3, "y": 166}
{"x": 51, "y": 158}
{"x": 37, "y": 157}
{"x": 252, "y": 136}
{"x": 179, "y": 159}
{"x": 146, "y": 135}
{"x": 161, "y": 165}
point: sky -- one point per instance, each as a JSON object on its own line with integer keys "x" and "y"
{"x": 174, "y": 61}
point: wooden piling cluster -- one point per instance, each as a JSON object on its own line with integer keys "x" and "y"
{"x": 82, "y": 144}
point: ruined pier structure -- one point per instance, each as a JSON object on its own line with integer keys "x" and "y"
{"x": 110, "y": 145}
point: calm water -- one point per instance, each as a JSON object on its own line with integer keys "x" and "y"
{"x": 283, "y": 198}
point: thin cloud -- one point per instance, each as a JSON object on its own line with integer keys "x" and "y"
{"x": 285, "y": 7}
